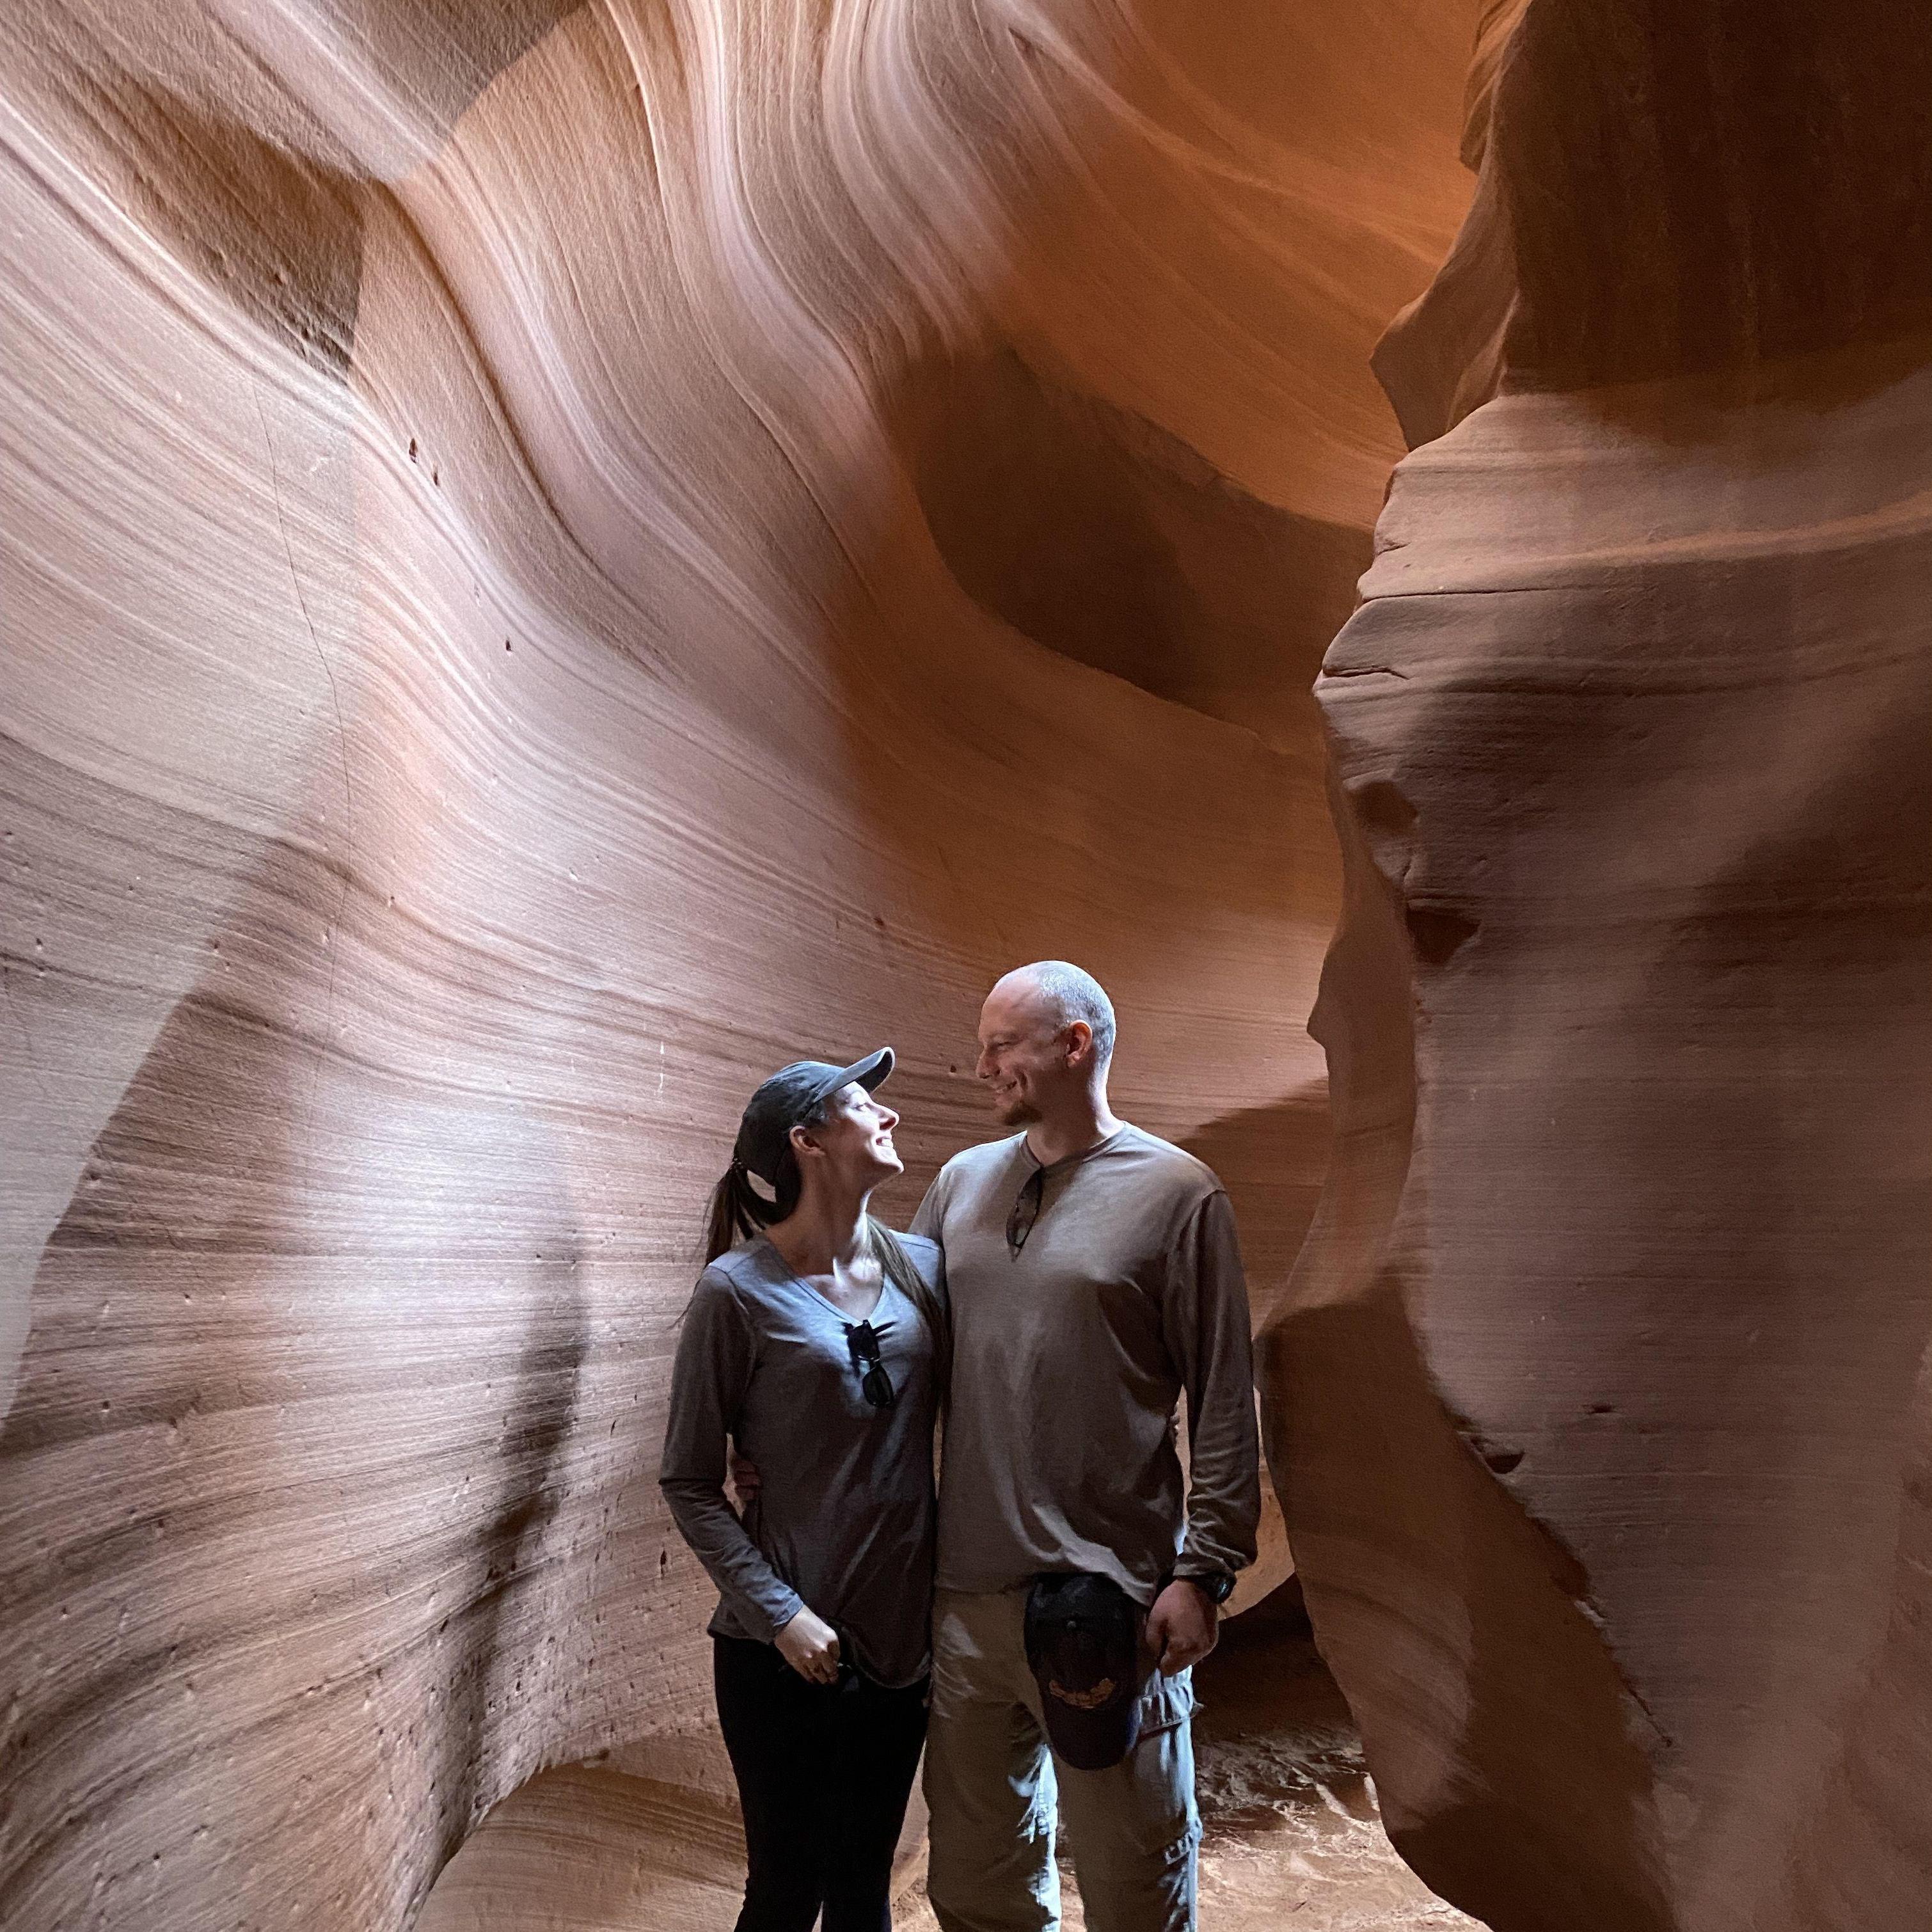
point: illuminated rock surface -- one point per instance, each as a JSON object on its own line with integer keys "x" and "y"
{"x": 556, "y": 557}
{"x": 500, "y": 653}
{"x": 1623, "y": 1567}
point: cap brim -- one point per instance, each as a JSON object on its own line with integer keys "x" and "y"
{"x": 1092, "y": 1740}
{"x": 871, "y": 1073}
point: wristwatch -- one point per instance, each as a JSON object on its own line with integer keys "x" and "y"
{"x": 1217, "y": 1585}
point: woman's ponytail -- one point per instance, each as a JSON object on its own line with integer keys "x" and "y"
{"x": 735, "y": 1212}
{"x": 738, "y": 1210}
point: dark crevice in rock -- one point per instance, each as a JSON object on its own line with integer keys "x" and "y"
{"x": 1099, "y": 535}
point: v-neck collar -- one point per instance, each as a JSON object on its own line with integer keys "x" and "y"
{"x": 1049, "y": 1168}
{"x": 825, "y": 1300}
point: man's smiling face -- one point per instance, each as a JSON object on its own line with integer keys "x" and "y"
{"x": 1023, "y": 1055}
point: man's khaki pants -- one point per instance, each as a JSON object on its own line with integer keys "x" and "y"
{"x": 990, "y": 1785}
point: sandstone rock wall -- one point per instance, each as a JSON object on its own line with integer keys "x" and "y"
{"x": 517, "y": 621}
{"x": 1599, "y": 1404}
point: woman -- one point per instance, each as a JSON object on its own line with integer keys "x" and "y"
{"x": 817, "y": 1343}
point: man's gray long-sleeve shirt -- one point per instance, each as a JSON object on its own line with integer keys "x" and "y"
{"x": 1070, "y": 1358}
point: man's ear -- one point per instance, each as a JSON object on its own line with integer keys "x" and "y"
{"x": 1079, "y": 1043}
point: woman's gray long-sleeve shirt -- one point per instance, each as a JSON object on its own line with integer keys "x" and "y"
{"x": 843, "y": 1519}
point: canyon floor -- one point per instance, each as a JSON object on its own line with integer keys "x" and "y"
{"x": 1292, "y": 1838}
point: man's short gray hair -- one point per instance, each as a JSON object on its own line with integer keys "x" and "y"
{"x": 1070, "y": 994}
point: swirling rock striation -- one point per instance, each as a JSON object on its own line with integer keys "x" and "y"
{"x": 1629, "y": 1018}
{"x": 497, "y": 656}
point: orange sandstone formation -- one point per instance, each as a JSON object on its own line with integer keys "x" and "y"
{"x": 556, "y": 557}
{"x": 1600, "y": 1405}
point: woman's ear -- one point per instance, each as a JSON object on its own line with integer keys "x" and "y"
{"x": 803, "y": 1144}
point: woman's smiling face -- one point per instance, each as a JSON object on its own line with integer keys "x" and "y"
{"x": 854, "y": 1139}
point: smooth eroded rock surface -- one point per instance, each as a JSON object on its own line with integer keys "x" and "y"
{"x": 1621, "y": 1564}
{"x": 501, "y": 650}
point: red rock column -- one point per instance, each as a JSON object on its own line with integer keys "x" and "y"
{"x": 1597, "y": 1405}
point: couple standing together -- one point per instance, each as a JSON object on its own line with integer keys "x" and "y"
{"x": 1058, "y": 1291}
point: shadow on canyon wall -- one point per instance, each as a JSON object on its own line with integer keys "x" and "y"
{"x": 241, "y": 178}
{"x": 1273, "y": 1161}
{"x": 262, "y": 1229}
{"x": 488, "y": 1678}
{"x": 1415, "y": 1568}
{"x": 305, "y": 1644}
{"x": 1102, "y": 535}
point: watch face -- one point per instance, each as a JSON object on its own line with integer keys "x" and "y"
{"x": 1220, "y": 1586}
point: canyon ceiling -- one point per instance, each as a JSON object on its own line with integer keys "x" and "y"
{"x": 559, "y": 556}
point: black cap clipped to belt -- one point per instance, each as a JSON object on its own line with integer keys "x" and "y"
{"x": 1083, "y": 1644}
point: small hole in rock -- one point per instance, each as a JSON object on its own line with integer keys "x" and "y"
{"x": 1438, "y": 934}
{"x": 1381, "y": 807}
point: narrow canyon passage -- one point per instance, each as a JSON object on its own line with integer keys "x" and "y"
{"x": 557, "y": 557}
{"x": 1291, "y": 1832}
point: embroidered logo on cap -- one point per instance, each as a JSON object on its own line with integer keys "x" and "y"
{"x": 1084, "y": 1700}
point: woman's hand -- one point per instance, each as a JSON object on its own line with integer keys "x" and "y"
{"x": 810, "y": 1645}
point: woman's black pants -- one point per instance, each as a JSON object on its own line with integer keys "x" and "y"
{"x": 824, "y": 1772}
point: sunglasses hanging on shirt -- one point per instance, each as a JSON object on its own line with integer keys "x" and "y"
{"x": 874, "y": 1384}
{"x": 1026, "y": 1211}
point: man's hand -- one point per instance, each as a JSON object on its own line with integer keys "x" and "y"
{"x": 1182, "y": 1627}
{"x": 744, "y": 1478}
{"x": 810, "y": 1645}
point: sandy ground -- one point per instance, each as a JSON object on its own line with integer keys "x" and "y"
{"x": 1292, "y": 1839}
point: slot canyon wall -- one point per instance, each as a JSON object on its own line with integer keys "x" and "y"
{"x": 556, "y": 558}
{"x": 1601, "y": 1406}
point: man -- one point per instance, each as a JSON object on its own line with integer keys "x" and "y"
{"x": 1094, "y": 1275}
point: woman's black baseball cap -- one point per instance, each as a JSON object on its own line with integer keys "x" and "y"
{"x": 788, "y": 1098}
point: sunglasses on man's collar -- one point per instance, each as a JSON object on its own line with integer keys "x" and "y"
{"x": 1026, "y": 1210}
